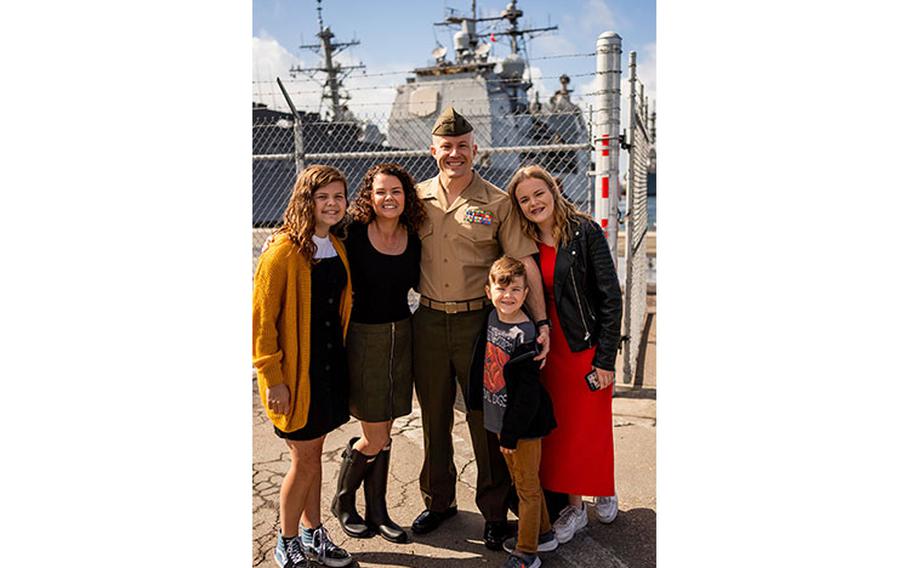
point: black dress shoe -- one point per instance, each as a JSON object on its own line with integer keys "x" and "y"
{"x": 495, "y": 533}
{"x": 429, "y": 521}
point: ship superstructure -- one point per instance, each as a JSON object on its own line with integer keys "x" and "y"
{"x": 493, "y": 95}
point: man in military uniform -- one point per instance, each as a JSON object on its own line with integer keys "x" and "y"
{"x": 470, "y": 223}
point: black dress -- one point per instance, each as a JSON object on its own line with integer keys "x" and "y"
{"x": 381, "y": 281}
{"x": 379, "y": 337}
{"x": 328, "y": 362}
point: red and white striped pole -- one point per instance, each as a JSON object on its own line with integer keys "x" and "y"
{"x": 606, "y": 135}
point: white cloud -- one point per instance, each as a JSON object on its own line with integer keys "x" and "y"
{"x": 371, "y": 95}
{"x": 271, "y": 60}
{"x": 598, "y": 17}
{"x": 550, "y": 44}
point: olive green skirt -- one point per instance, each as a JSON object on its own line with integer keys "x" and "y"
{"x": 379, "y": 363}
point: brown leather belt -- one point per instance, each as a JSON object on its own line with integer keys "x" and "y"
{"x": 455, "y": 307}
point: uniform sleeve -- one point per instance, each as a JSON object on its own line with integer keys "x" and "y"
{"x": 269, "y": 285}
{"x": 513, "y": 241}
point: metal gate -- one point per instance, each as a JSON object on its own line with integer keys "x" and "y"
{"x": 635, "y": 308}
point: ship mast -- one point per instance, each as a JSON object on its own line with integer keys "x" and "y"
{"x": 511, "y": 14}
{"x": 335, "y": 73}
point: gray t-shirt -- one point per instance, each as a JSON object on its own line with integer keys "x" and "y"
{"x": 502, "y": 341}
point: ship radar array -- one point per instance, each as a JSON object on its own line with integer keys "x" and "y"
{"x": 334, "y": 72}
{"x": 467, "y": 40}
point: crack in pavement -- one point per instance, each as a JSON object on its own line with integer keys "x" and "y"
{"x": 265, "y": 542}
{"x": 634, "y": 421}
{"x": 459, "y": 477}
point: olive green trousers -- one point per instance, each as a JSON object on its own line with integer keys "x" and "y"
{"x": 443, "y": 345}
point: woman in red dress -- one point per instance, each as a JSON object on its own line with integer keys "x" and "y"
{"x": 584, "y": 306}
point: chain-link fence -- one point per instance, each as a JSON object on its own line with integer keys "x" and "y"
{"x": 557, "y": 135}
{"x": 557, "y": 141}
{"x": 635, "y": 308}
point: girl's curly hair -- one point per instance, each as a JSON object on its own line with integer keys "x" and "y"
{"x": 299, "y": 219}
{"x": 414, "y": 213}
{"x": 564, "y": 211}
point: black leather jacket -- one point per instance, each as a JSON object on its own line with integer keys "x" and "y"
{"x": 588, "y": 299}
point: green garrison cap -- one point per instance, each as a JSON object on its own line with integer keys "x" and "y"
{"x": 450, "y": 123}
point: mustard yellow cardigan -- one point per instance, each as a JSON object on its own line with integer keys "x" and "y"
{"x": 281, "y": 326}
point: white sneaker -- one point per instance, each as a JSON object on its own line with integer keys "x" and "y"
{"x": 570, "y": 521}
{"x": 606, "y": 508}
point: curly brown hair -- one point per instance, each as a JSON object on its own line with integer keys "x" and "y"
{"x": 414, "y": 213}
{"x": 564, "y": 210}
{"x": 299, "y": 219}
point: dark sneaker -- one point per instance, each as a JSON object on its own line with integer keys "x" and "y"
{"x": 324, "y": 552}
{"x": 522, "y": 561}
{"x": 494, "y": 533}
{"x": 545, "y": 543}
{"x": 290, "y": 556}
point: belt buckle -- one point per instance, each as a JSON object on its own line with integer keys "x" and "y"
{"x": 451, "y": 307}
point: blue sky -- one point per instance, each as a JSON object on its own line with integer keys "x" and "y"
{"x": 398, "y": 36}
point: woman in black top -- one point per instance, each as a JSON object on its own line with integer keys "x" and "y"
{"x": 384, "y": 254}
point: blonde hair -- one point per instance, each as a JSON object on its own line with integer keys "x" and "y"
{"x": 564, "y": 211}
{"x": 299, "y": 219}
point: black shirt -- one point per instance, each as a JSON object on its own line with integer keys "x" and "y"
{"x": 381, "y": 281}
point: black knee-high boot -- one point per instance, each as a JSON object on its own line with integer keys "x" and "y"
{"x": 374, "y": 487}
{"x": 354, "y": 468}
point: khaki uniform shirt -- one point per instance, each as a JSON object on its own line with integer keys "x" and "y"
{"x": 459, "y": 241}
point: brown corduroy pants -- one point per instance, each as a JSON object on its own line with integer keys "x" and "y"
{"x": 533, "y": 519}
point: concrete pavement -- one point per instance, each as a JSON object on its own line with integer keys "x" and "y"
{"x": 629, "y": 542}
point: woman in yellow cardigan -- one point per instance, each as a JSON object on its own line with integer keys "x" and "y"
{"x": 301, "y": 309}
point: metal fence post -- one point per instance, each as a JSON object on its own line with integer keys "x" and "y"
{"x": 635, "y": 310}
{"x": 606, "y": 129}
{"x": 298, "y": 129}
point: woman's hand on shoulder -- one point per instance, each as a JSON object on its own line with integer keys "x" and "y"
{"x": 279, "y": 399}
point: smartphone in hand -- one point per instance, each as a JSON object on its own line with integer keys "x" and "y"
{"x": 591, "y": 379}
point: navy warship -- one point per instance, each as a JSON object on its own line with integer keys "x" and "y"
{"x": 493, "y": 95}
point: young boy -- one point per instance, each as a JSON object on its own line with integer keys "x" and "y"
{"x": 515, "y": 405}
